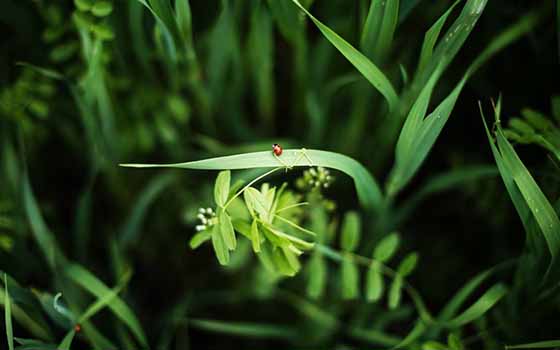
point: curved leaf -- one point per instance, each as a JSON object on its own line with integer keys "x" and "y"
{"x": 367, "y": 188}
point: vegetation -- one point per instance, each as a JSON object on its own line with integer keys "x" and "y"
{"x": 395, "y": 217}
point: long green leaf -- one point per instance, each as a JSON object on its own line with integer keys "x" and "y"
{"x": 41, "y": 233}
{"x": 480, "y": 307}
{"x": 131, "y": 227}
{"x": 425, "y": 133}
{"x": 379, "y": 28}
{"x": 245, "y": 329}
{"x": 545, "y": 344}
{"x": 93, "y": 285}
{"x": 369, "y": 70}
{"x": 367, "y": 189}
{"x": 431, "y": 37}
{"x": 537, "y": 202}
{"x": 8, "y": 315}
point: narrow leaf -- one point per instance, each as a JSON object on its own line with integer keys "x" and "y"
{"x": 351, "y": 227}
{"x": 367, "y": 189}
{"x": 93, "y": 285}
{"x": 480, "y": 307}
{"x": 255, "y": 237}
{"x": 8, "y": 315}
{"x": 545, "y": 344}
{"x": 374, "y": 283}
{"x": 349, "y": 279}
{"x": 369, "y": 70}
{"x": 395, "y": 292}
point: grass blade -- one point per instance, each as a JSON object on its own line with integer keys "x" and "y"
{"x": 367, "y": 189}
{"x": 133, "y": 224}
{"x": 45, "y": 239}
{"x": 93, "y": 285}
{"x": 245, "y": 329}
{"x": 369, "y": 70}
{"x": 537, "y": 202}
{"x": 545, "y": 344}
{"x": 8, "y": 315}
{"x": 431, "y": 37}
{"x": 379, "y": 28}
{"x": 480, "y": 307}
{"x": 425, "y": 133}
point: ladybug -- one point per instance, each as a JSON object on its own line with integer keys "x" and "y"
{"x": 277, "y": 149}
{"x": 77, "y": 328}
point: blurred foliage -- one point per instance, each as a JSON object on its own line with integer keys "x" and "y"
{"x": 425, "y": 251}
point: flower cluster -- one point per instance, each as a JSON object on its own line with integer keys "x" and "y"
{"x": 315, "y": 178}
{"x": 207, "y": 219}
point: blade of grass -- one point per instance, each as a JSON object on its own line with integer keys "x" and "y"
{"x": 369, "y": 70}
{"x": 8, "y": 315}
{"x": 245, "y": 329}
{"x": 480, "y": 307}
{"x": 45, "y": 239}
{"x": 131, "y": 227}
{"x": 93, "y": 285}
{"x": 432, "y": 36}
{"x": 537, "y": 202}
{"x": 367, "y": 189}
{"x": 379, "y": 28}
{"x": 545, "y": 344}
{"x": 426, "y": 132}
{"x": 102, "y": 302}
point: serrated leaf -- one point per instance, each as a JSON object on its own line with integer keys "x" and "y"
{"x": 226, "y": 229}
{"x": 222, "y": 253}
{"x": 349, "y": 279}
{"x": 221, "y": 187}
{"x": 386, "y": 248}
{"x": 102, "y": 8}
{"x": 374, "y": 283}
{"x": 351, "y": 227}
{"x": 408, "y": 264}
{"x": 255, "y": 237}
{"x": 395, "y": 292}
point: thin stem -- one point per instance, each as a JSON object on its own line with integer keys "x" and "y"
{"x": 293, "y": 224}
{"x": 292, "y": 206}
{"x": 386, "y": 270}
{"x": 249, "y": 185}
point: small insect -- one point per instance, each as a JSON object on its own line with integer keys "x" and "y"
{"x": 77, "y": 328}
{"x": 277, "y": 149}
